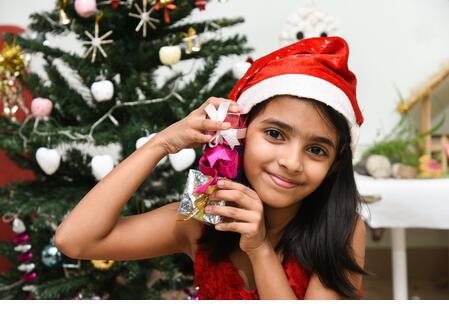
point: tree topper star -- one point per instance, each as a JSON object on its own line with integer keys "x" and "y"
{"x": 144, "y": 16}
{"x": 96, "y": 42}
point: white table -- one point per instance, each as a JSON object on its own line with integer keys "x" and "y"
{"x": 411, "y": 203}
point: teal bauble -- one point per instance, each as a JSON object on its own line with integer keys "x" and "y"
{"x": 51, "y": 256}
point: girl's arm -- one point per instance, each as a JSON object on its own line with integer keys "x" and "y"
{"x": 93, "y": 229}
{"x": 276, "y": 286}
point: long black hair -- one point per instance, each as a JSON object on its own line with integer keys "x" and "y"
{"x": 320, "y": 234}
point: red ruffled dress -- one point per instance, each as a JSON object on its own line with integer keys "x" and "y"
{"x": 222, "y": 281}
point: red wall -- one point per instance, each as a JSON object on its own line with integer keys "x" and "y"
{"x": 8, "y": 170}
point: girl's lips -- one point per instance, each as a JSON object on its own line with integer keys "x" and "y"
{"x": 282, "y": 183}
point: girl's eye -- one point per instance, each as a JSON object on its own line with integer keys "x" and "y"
{"x": 318, "y": 151}
{"x": 273, "y": 133}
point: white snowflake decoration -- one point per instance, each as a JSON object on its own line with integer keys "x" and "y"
{"x": 144, "y": 16}
{"x": 307, "y": 22}
{"x": 96, "y": 42}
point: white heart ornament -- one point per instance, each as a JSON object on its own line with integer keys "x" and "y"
{"x": 102, "y": 90}
{"x": 141, "y": 141}
{"x": 182, "y": 159}
{"x": 101, "y": 166}
{"x": 48, "y": 159}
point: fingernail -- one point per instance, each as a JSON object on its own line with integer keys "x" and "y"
{"x": 220, "y": 183}
{"x": 226, "y": 125}
{"x": 208, "y": 209}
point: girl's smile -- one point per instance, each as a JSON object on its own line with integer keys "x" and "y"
{"x": 282, "y": 182}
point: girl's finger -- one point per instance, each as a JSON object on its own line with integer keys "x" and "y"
{"x": 234, "y": 107}
{"x": 239, "y": 227}
{"x": 212, "y": 125}
{"x": 230, "y": 212}
{"x": 237, "y": 196}
{"x": 229, "y": 184}
{"x": 201, "y": 138}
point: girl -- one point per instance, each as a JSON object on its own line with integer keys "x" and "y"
{"x": 295, "y": 232}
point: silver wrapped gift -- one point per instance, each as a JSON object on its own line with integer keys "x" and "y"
{"x": 187, "y": 205}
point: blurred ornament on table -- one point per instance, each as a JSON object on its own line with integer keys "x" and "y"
{"x": 307, "y": 22}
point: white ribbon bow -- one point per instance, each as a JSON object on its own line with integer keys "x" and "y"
{"x": 230, "y": 135}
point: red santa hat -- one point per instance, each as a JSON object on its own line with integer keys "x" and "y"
{"x": 315, "y": 68}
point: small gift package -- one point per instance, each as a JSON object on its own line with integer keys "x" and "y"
{"x": 193, "y": 204}
{"x": 235, "y": 134}
{"x": 222, "y": 158}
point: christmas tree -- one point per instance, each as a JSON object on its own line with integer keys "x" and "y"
{"x": 118, "y": 103}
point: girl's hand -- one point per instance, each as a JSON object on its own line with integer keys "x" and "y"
{"x": 190, "y": 131}
{"x": 249, "y": 217}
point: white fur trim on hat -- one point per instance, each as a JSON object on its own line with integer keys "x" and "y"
{"x": 303, "y": 86}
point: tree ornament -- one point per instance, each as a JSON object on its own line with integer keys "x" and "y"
{"x": 48, "y": 159}
{"x": 166, "y": 5}
{"x": 141, "y": 141}
{"x": 102, "y": 264}
{"x": 26, "y": 267}
{"x": 182, "y": 159}
{"x": 101, "y": 166}
{"x": 115, "y": 4}
{"x": 51, "y": 256}
{"x": 22, "y": 247}
{"x": 96, "y": 41}
{"x": 22, "y": 239}
{"x": 239, "y": 69}
{"x": 307, "y": 22}
{"x": 102, "y": 90}
{"x": 144, "y": 16}
{"x": 18, "y": 226}
{"x": 170, "y": 54}
{"x": 85, "y": 8}
{"x": 201, "y": 4}
{"x": 13, "y": 65}
{"x": 63, "y": 18}
{"x": 41, "y": 107}
{"x": 192, "y": 41}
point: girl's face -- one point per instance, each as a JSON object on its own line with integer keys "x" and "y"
{"x": 289, "y": 139}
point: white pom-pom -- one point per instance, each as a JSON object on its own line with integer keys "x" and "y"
{"x": 239, "y": 69}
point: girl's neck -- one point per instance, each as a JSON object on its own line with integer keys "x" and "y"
{"x": 278, "y": 218}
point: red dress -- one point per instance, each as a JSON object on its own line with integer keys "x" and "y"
{"x": 222, "y": 281}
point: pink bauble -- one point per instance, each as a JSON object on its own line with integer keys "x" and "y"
{"x": 41, "y": 107}
{"x": 85, "y": 8}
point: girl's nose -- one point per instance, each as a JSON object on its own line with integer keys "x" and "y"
{"x": 291, "y": 160}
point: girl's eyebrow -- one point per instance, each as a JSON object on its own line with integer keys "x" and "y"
{"x": 288, "y": 128}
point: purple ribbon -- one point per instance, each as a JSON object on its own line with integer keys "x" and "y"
{"x": 21, "y": 238}
{"x": 25, "y": 257}
{"x": 218, "y": 161}
{"x": 29, "y": 277}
